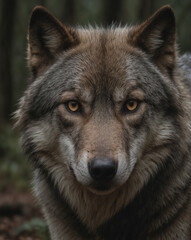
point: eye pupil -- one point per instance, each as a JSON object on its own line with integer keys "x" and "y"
{"x": 132, "y": 105}
{"x": 73, "y": 106}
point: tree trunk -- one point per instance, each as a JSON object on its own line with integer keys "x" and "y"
{"x": 111, "y": 11}
{"x": 6, "y": 38}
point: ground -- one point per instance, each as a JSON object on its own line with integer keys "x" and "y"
{"x": 20, "y": 217}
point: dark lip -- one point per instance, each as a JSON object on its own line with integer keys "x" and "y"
{"x": 101, "y": 187}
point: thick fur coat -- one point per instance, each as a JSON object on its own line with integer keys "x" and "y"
{"x": 106, "y": 123}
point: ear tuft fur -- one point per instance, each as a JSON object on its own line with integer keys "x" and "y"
{"x": 157, "y": 37}
{"x": 47, "y": 37}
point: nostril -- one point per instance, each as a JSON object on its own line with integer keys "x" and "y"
{"x": 102, "y": 169}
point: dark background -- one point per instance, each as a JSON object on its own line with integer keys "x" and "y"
{"x": 15, "y": 171}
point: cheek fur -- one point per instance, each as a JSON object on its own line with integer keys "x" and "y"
{"x": 67, "y": 149}
{"x": 42, "y": 136}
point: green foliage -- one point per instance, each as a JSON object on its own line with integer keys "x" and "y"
{"x": 35, "y": 226}
{"x": 15, "y": 170}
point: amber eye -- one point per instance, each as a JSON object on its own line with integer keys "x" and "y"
{"x": 132, "y": 105}
{"x": 73, "y": 106}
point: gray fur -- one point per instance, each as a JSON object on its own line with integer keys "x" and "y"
{"x": 150, "y": 195}
{"x": 185, "y": 68}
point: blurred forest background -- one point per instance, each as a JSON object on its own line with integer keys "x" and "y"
{"x": 16, "y": 220}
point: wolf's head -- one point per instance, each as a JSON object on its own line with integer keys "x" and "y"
{"x": 103, "y": 103}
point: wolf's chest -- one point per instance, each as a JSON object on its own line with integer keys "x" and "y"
{"x": 130, "y": 223}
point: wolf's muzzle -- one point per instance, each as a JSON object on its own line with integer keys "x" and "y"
{"x": 102, "y": 169}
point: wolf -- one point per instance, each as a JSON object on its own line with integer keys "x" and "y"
{"x": 105, "y": 121}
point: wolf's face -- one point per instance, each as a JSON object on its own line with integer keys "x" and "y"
{"x": 103, "y": 102}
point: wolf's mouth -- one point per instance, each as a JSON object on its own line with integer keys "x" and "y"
{"x": 102, "y": 189}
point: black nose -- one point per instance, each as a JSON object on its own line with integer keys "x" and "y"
{"x": 102, "y": 169}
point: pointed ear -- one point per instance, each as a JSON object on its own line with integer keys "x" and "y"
{"x": 47, "y": 38}
{"x": 157, "y": 37}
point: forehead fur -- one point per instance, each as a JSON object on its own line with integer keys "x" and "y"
{"x": 102, "y": 62}
{"x": 115, "y": 35}
{"x": 110, "y": 62}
